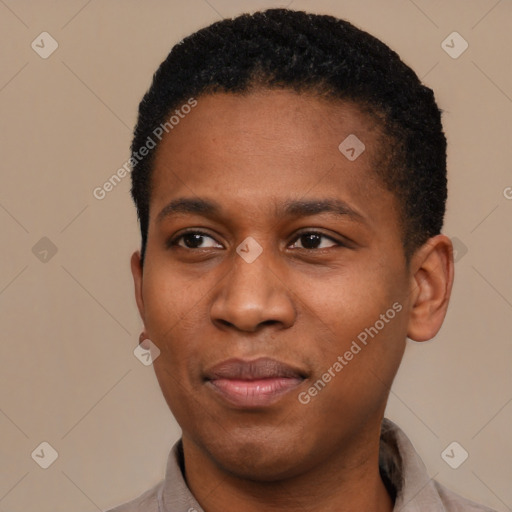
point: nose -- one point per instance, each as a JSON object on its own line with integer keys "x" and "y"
{"x": 253, "y": 295}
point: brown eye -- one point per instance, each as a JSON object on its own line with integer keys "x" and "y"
{"x": 313, "y": 240}
{"x": 193, "y": 240}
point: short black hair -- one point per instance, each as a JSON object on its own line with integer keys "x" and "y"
{"x": 319, "y": 54}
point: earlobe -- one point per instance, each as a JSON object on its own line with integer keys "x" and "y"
{"x": 431, "y": 284}
{"x": 136, "y": 266}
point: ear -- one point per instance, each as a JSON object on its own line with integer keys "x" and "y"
{"x": 432, "y": 269}
{"x": 136, "y": 265}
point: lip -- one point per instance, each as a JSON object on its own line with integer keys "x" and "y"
{"x": 256, "y": 383}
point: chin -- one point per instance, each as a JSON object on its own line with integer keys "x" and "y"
{"x": 261, "y": 458}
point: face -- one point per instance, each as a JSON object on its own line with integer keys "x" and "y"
{"x": 274, "y": 281}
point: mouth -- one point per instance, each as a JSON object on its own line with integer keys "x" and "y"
{"x": 249, "y": 384}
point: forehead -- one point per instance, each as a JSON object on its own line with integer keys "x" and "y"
{"x": 268, "y": 146}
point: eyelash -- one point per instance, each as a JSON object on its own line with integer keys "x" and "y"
{"x": 174, "y": 241}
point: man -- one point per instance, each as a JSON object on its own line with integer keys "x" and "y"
{"x": 289, "y": 173}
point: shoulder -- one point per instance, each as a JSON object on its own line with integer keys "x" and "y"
{"x": 415, "y": 490}
{"x": 455, "y": 503}
{"x": 146, "y": 502}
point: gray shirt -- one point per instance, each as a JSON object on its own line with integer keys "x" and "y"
{"x": 401, "y": 468}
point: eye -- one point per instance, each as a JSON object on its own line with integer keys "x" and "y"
{"x": 312, "y": 240}
{"x": 309, "y": 240}
{"x": 192, "y": 240}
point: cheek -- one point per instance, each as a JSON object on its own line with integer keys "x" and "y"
{"x": 175, "y": 319}
{"x": 364, "y": 359}
{"x": 173, "y": 387}
{"x": 168, "y": 298}
{"x": 350, "y": 301}
{"x": 363, "y": 321}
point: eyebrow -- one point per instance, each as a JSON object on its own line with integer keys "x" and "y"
{"x": 293, "y": 208}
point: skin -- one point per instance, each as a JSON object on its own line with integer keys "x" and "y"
{"x": 301, "y": 306}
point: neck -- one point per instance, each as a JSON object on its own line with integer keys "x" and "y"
{"x": 347, "y": 481}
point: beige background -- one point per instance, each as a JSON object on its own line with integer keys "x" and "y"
{"x": 69, "y": 325}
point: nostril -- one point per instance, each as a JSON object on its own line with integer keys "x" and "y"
{"x": 269, "y": 322}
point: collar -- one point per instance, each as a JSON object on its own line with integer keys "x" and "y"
{"x": 399, "y": 464}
